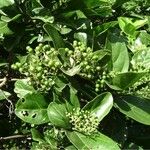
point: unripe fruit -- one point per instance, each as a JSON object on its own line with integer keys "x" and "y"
{"x": 98, "y": 68}
{"x": 88, "y": 67}
{"x": 13, "y": 66}
{"x": 94, "y": 57}
{"x": 89, "y": 76}
{"x": 75, "y": 43}
{"x": 20, "y": 69}
{"x": 97, "y": 85}
{"x": 66, "y": 49}
{"x": 39, "y": 68}
{"x": 18, "y": 64}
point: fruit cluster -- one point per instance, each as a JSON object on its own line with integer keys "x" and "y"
{"x": 83, "y": 121}
{"x": 40, "y": 67}
{"x": 43, "y": 65}
{"x": 85, "y": 58}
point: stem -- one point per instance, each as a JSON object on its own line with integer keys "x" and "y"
{"x": 12, "y": 137}
{"x": 3, "y": 81}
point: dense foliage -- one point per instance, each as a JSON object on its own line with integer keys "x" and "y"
{"x": 74, "y": 75}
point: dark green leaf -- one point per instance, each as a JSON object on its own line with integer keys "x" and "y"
{"x": 82, "y": 37}
{"x": 94, "y": 142}
{"x": 100, "y": 105}
{"x": 120, "y": 57}
{"x": 4, "y": 29}
{"x": 22, "y": 88}
{"x": 73, "y": 98}
{"x": 125, "y": 80}
{"x": 57, "y": 115}
{"x": 36, "y": 135}
{"x": 6, "y": 3}
{"x": 73, "y": 71}
{"x": 4, "y": 95}
{"x": 104, "y": 27}
{"x": 134, "y": 107}
{"x": 71, "y": 147}
{"x": 53, "y": 33}
{"x": 32, "y": 109}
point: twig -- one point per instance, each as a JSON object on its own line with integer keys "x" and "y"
{"x": 3, "y": 81}
{"x": 12, "y": 137}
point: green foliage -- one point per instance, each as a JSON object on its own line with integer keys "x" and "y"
{"x": 72, "y": 72}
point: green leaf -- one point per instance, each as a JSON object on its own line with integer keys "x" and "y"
{"x": 3, "y": 64}
{"x": 6, "y": 3}
{"x": 73, "y": 98}
{"x": 135, "y": 108}
{"x": 36, "y": 135}
{"x": 100, "y": 105}
{"x": 145, "y": 38}
{"x": 71, "y": 147}
{"x": 53, "y": 33}
{"x": 57, "y": 115}
{"x": 4, "y": 95}
{"x": 104, "y": 27}
{"x": 22, "y": 88}
{"x": 32, "y": 109}
{"x": 101, "y": 53}
{"x": 93, "y": 142}
{"x": 125, "y": 80}
{"x": 60, "y": 83}
{"x": 120, "y": 57}
{"x": 82, "y": 37}
{"x": 73, "y": 71}
{"x": 130, "y": 25}
{"x": 4, "y": 29}
{"x": 126, "y": 26}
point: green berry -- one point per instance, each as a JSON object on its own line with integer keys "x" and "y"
{"x": 18, "y": 64}
{"x": 88, "y": 67}
{"x": 13, "y": 66}
{"x": 70, "y": 52}
{"x": 20, "y": 69}
{"x": 75, "y": 43}
{"x": 98, "y": 68}
{"x": 97, "y": 85}
{"x": 39, "y": 68}
{"x": 46, "y": 47}
{"x": 89, "y": 76}
{"x": 66, "y": 49}
{"x": 95, "y": 57}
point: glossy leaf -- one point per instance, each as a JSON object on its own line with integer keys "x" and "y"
{"x": 71, "y": 147}
{"x": 125, "y": 80}
{"x": 32, "y": 109}
{"x": 73, "y": 98}
{"x": 100, "y": 29}
{"x": 120, "y": 57}
{"x": 100, "y": 105}
{"x": 4, "y": 95}
{"x": 36, "y": 135}
{"x": 73, "y": 71}
{"x": 6, "y": 3}
{"x": 94, "y": 142}
{"x": 22, "y": 88}
{"x": 81, "y": 36}
{"x": 4, "y": 29}
{"x": 53, "y": 33}
{"x": 57, "y": 115}
{"x": 135, "y": 108}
